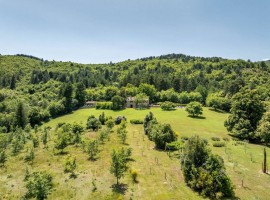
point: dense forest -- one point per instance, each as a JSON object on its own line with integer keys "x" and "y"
{"x": 34, "y": 90}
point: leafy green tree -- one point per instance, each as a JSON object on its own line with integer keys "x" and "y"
{"x": 148, "y": 118}
{"x": 110, "y": 124}
{"x": 21, "y": 115}
{"x": 39, "y": 185}
{"x": 263, "y": 130}
{"x": 44, "y": 137}
{"x": 3, "y": 158}
{"x": 162, "y": 134}
{"x": 104, "y": 134}
{"x": 30, "y": 156}
{"x": 205, "y": 172}
{"x": 93, "y": 123}
{"x": 194, "y": 109}
{"x": 149, "y": 90}
{"x": 102, "y": 118}
{"x": 92, "y": 149}
{"x": 118, "y": 103}
{"x": 167, "y": 105}
{"x": 62, "y": 141}
{"x": 246, "y": 112}
{"x": 80, "y": 94}
{"x": 118, "y": 165}
{"x": 13, "y": 83}
{"x": 70, "y": 166}
{"x": 67, "y": 94}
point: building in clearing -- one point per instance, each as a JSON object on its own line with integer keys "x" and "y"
{"x": 137, "y": 102}
{"x": 91, "y": 104}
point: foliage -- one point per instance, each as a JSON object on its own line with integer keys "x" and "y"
{"x": 39, "y": 185}
{"x": 80, "y": 94}
{"x": 92, "y": 149}
{"x": 104, "y": 105}
{"x": 194, "y": 109}
{"x": 62, "y": 140}
{"x": 263, "y": 130}
{"x": 93, "y": 123}
{"x": 118, "y": 103}
{"x": 3, "y": 157}
{"x": 70, "y": 165}
{"x": 162, "y": 134}
{"x": 205, "y": 172}
{"x": 119, "y": 119}
{"x": 136, "y": 121}
{"x": 119, "y": 164}
{"x": 21, "y": 115}
{"x": 109, "y": 123}
{"x": 148, "y": 118}
{"x": 219, "y": 144}
{"x": 30, "y": 156}
{"x": 218, "y": 103}
{"x": 246, "y": 112}
{"x": 134, "y": 176}
{"x": 167, "y": 105}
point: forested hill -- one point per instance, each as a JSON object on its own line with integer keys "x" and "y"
{"x": 41, "y": 85}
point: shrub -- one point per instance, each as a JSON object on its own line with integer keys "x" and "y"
{"x": 226, "y": 139}
{"x": 215, "y": 138}
{"x": 134, "y": 175}
{"x": 93, "y": 123}
{"x": 104, "y": 105}
{"x": 219, "y": 144}
{"x": 136, "y": 121}
{"x": 118, "y": 119}
{"x": 167, "y": 105}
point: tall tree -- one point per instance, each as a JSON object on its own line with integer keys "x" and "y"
{"x": 21, "y": 116}
{"x": 118, "y": 165}
{"x": 247, "y": 110}
{"x": 67, "y": 94}
{"x": 80, "y": 94}
{"x": 13, "y": 83}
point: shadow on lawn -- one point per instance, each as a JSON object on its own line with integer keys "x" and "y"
{"x": 120, "y": 188}
{"x": 197, "y": 117}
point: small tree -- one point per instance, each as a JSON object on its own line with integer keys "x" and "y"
{"x": 62, "y": 141}
{"x": 104, "y": 134}
{"x": 110, "y": 123}
{"x": 194, "y": 109}
{"x": 3, "y": 158}
{"x": 92, "y": 149}
{"x": 118, "y": 165}
{"x": 70, "y": 166}
{"x": 44, "y": 137}
{"x": 102, "y": 118}
{"x": 30, "y": 156}
{"x": 77, "y": 129}
{"x": 93, "y": 123}
{"x": 39, "y": 185}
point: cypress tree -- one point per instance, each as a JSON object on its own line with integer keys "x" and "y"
{"x": 21, "y": 117}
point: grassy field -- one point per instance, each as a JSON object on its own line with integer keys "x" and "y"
{"x": 162, "y": 180}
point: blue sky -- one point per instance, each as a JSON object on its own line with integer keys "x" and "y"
{"x": 100, "y": 31}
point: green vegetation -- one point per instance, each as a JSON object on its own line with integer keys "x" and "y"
{"x": 40, "y": 123}
{"x": 194, "y": 109}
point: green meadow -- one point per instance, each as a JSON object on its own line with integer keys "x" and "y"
{"x": 159, "y": 173}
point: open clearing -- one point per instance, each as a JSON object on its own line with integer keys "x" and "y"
{"x": 162, "y": 180}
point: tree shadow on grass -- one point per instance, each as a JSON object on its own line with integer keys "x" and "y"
{"x": 197, "y": 117}
{"x": 120, "y": 188}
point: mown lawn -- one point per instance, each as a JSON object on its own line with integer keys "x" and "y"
{"x": 157, "y": 180}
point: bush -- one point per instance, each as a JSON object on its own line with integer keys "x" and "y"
{"x": 215, "y": 138}
{"x": 136, "y": 121}
{"x": 118, "y": 119}
{"x": 134, "y": 176}
{"x": 104, "y": 105}
{"x": 167, "y": 105}
{"x": 219, "y": 144}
